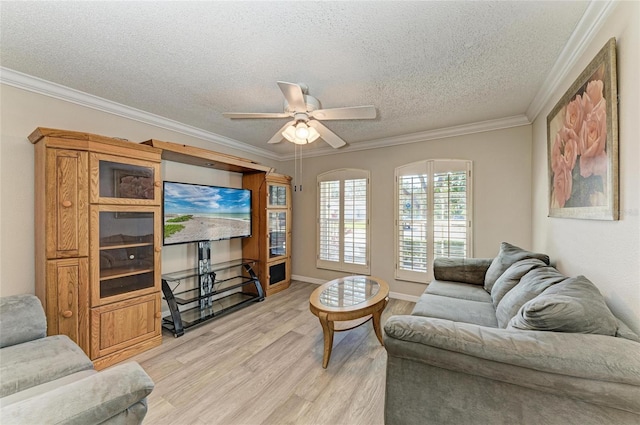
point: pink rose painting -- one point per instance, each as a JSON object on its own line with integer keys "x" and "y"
{"x": 582, "y": 137}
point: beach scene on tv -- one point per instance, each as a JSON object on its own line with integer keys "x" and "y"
{"x": 205, "y": 213}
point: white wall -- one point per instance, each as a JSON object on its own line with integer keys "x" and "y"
{"x": 23, "y": 111}
{"x": 606, "y": 252}
{"x": 502, "y": 197}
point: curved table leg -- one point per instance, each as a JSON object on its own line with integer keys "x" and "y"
{"x": 376, "y": 321}
{"x": 327, "y": 330}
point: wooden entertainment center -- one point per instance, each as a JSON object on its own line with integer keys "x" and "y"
{"x": 98, "y": 235}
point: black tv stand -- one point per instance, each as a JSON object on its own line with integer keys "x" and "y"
{"x": 223, "y": 288}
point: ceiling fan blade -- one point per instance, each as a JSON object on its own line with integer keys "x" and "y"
{"x": 241, "y": 115}
{"x": 367, "y": 112}
{"x": 278, "y": 137}
{"x": 327, "y": 135}
{"x": 293, "y": 93}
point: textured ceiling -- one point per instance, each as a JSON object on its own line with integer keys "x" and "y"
{"x": 424, "y": 65}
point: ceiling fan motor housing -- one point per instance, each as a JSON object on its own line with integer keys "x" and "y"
{"x": 311, "y": 103}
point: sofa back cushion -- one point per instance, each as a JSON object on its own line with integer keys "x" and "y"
{"x": 573, "y": 305}
{"x": 531, "y": 285}
{"x": 508, "y": 255}
{"x": 511, "y": 277}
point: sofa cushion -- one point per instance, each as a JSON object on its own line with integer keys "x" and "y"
{"x": 456, "y": 309}
{"x": 467, "y": 270}
{"x": 511, "y": 277}
{"x": 531, "y": 285}
{"x": 460, "y": 290}
{"x": 508, "y": 255}
{"x": 32, "y": 363}
{"x": 573, "y": 305}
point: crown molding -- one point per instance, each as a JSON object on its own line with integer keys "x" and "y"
{"x": 67, "y": 94}
{"x": 47, "y": 88}
{"x": 591, "y": 22}
{"x": 423, "y": 136}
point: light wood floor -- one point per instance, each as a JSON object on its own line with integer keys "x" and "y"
{"x": 263, "y": 365}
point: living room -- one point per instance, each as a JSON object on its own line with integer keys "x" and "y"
{"x": 510, "y": 182}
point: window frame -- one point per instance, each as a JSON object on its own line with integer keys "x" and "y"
{"x": 429, "y": 168}
{"x": 342, "y": 175}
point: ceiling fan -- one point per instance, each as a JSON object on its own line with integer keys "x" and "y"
{"x": 307, "y": 114}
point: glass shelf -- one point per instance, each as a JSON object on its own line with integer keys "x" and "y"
{"x": 234, "y": 278}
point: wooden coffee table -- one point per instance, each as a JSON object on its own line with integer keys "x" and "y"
{"x": 352, "y": 301}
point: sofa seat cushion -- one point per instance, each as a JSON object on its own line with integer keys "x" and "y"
{"x": 36, "y": 362}
{"x": 508, "y": 255}
{"x": 456, "y": 309}
{"x": 574, "y": 305}
{"x": 460, "y": 290}
{"x": 530, "y": 286}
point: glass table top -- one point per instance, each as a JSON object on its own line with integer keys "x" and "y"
{"x": 349, "y": 291}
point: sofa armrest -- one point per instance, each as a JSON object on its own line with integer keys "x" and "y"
{"x": 597, "y": 369}
{"x": 92, "y": 400}
{"x": 467, "y": 270}
{"x": 22, "y": 319}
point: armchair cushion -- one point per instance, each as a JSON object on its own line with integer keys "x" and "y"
{"x": 33, "y": 363}
{"x": 574, "y": 305}
{"x": 22, "y": 320}
{"x": 508, "y": 255}
{"x": 116, "y": 394}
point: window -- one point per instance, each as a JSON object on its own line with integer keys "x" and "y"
{"x": 343, "y": 221}
{"x": 433, "y": 215}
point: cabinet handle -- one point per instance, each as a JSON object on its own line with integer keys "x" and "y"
{"x": 158, "y": 249}
{"x": 66, "y": 203}
{"x": 158, "y": 314}
{"x": 67, "y": 313}
{"x": 157, "y": 183}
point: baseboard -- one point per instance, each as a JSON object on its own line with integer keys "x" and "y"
{"x": 395, "y": 295}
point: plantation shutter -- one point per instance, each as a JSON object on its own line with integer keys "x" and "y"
{"x": 329, "y": 221}
{"x": 450, "y": 217}
{"x": 343, "y": 221}
{"x": 432, "y": 215}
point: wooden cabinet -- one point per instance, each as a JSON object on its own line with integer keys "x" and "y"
{"x": 98, "y": 241}
{"x": 271, "y": 240}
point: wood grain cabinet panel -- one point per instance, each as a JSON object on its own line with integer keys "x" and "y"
{"x": 67, "y": 300}
{"x": 120, "y": 325}
{"x": 67, "y": 203}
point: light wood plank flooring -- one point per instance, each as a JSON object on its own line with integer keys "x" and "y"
{"x": 263, "y": 365}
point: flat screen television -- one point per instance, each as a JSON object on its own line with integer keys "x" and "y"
{"x": 196, "y": 212}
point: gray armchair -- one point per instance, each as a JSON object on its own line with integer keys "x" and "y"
{"x": 50, "y": 380}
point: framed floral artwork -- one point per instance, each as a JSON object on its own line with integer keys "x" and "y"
{"x": 582, "y": 143}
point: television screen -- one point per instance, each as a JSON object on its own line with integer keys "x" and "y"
{"x": 194, "y": 212}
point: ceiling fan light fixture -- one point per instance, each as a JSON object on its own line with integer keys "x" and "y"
{"x": 302, "y": 131}
{"x": 313, "y": 135}
{"x": 300, "y": 134}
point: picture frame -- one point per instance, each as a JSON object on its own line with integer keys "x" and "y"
{"x": 582, "y": 144}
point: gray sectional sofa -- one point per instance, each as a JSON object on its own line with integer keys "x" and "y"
{"x": 49, "y": 380}
{"x": 510, "y": 340}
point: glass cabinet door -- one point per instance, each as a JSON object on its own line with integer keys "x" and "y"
{"x": 127, "y": 255}
{"x": 277, "y": 195}
{"x": 277, "y": 222}
{"x": 121, "y": 180}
